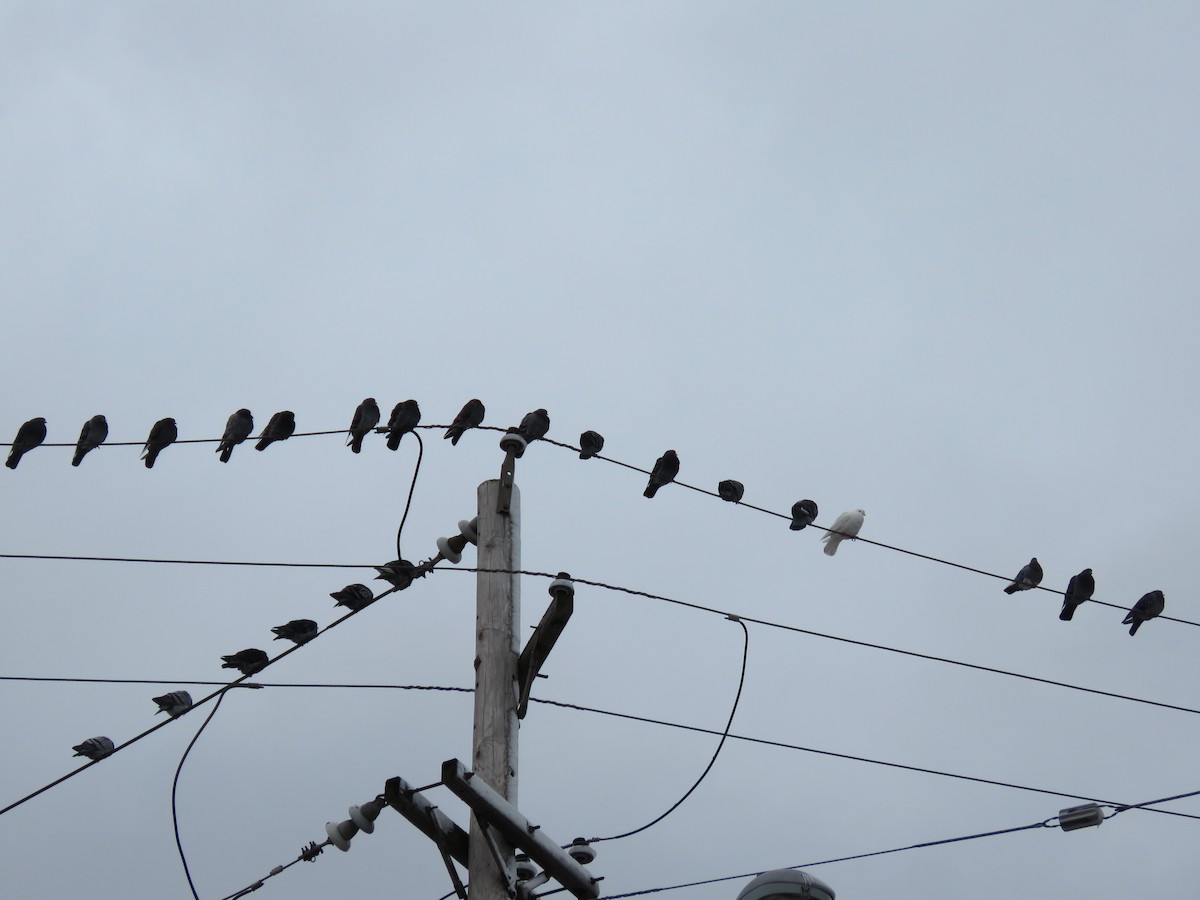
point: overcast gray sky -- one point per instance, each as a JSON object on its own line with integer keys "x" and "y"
{"x": 932, "y": 260}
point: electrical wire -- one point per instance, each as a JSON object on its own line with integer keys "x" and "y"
{"x": 237, "y": 682}
{"x": 308, "y": 854}
{"x": 716, "y": 753}
{"x": 175, "y": 788}
{"x": 412, "y": 487}
{"x": 186, "y": 562}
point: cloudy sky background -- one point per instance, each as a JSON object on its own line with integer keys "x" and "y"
{"x": 935, "y": 261}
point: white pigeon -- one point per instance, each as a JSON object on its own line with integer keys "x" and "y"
{"x": 848, "y": 524}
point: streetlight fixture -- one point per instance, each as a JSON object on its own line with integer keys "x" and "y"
{"x": 786, "y": 883}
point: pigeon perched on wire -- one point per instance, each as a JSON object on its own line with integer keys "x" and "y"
{"x": 1027, "y": 579}
{"x": 470, "y": 416}
{"x": 590, "y": 443}
{"x": 95, "y": 748}
{"x": 399, "y": 573}
{"x": 731, "y": 490}
{"x": 298, "y": 631}
{"x": 1079, "y": 590}
{"x": 535, "y": 425}
{"x": 94, "y": 433}
{"x": 804, "y": 513}
{"x": 353, "y": 597}
{"x": 246, "y": 661}
{"x": 29, "y": 435}
{"x": 281, "y": 427}
{"x": 666, "y": 467}
{"x": 366, "y": 417}
{"x": 1149, "y": 606}
{"x": 237, "y": 429}
{"x": 174, "y": 704}
{"x": 405, "y": 417}
{"x": 845, "y": 527}
{"x": 164, "y": 433}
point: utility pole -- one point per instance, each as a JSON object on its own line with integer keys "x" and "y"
{"x": 497, "y": 626}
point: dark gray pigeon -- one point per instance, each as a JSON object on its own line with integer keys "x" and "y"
{"x": 237, "y": 429}
{"x": 164, "y": 433}
{"x": 29, "y": 435}
{"x": 470, "y": 416}
{"x": 664, "y": 472}
{"x": 94, "y": 432}
{"x": 1027, "y": 579}
{"x": 95, "y": 748}
{"x": 405, "y": 417}
{"x": 353, "y": 596}
{"x": 366, "y": 417}
{"x": 246, "y": 661}
{"x": 730, "y": 490}
{"x": 1079, "y": 590}
{"x": 174, "y": 704}
{"x": 535, "y": 425}
{"x": 281, "y": 427}
{"x": 298, "y": 631}
{"x": 804, "y": 513}
{"x": 1149, "y": 606}
{"x": 399, "y": 573}
{"x": 590, "y": 443}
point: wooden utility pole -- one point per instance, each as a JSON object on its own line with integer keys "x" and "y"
{"x": 497, "y": 626}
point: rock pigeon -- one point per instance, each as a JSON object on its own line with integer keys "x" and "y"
{"x": 353, "y": 596}
{"x": 731, "y": 490}
{"x": 470, "y": 416}
{"x": 298, "y": 631}
{"x": 846, "y": 526}
{"x": 174, "y": 704}
{"x": 366, "y": 417}
{"x": 95, "y": 430}
{"x": 164, "y": 433}
{"x": 405, "y": 417}
{"x": 1027, "y": 579}
{"x": 804, "y": 513}
{"x": 1079, "y": 590}
{"x": 237, "y": 429}
{"x": 535, "y": 425}
{"x": 590, "y": 443}
{"x": 1149, "y": 606}
{"x": 664, "y": 472}
{"x": 95, "y": 748}
{"x": 29, "y": 435}
{"x": 246, "y": 661}
{"x": 281, "y": 427}
{"x": 399, "y": 573}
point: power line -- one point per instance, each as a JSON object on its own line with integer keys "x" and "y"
{"x": 175, "y": 788}
{"x": 782, "y": 745}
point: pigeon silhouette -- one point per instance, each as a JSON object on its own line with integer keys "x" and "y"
{"x": 1079, "y": 590}
{"x": 298, "y": 631}
{"x": 730, "y": 490}
{"x": 95, "y": 748}
{"x": 470, "y": 416}
{"x": 281, "y": 427}
{"x": 237, "y": 429}
{"x": 665, "y": 469}
{"x": 405, "y": 417}
{"x": 1027, "y": 579}
{"x": 174, "y": 704}
{"x": 535, "y": 425}
{"x": 1149, "y": 606}
{"x": 29, "y": 435}
{"x": 353, "y": 597}
{"x": 164, "y": 433}
{"x": 95, "y": 430}
{"x": 246, "y": 661}
{"x": 399, "y": 573}
{"x": 804, "y": 513}
{"x": 366, "y": 417}
{"x": 845, "y": 527}
{"x": 590, "y": 443}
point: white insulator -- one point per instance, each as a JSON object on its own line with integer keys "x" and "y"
{"x": 469, "y": 530}
{"x": 340, "y": 834}
{"x": 448, "y": 553}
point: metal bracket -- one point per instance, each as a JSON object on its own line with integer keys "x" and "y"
{"x": 544, "y": 637}
{"x": 510, "y": 882}
{"x": 513, "y": 446}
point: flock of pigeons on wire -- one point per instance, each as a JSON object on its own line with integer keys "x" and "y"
{"x": 1080, "y": 589}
